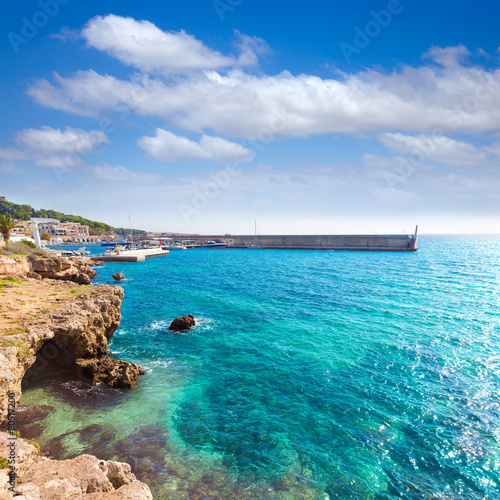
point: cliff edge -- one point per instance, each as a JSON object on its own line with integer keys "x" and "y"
{"x": 49, "y": 320}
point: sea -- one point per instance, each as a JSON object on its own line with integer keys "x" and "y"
{"x": 309, "y": 375}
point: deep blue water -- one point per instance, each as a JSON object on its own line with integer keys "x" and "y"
{"x": 310, "y": 375}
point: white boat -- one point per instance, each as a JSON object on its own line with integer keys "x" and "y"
{"x": 174, "y": 247}
{"x": 254, "y": 244}
{"x": 215, "y": 244}
{"x": 81, "y": 252}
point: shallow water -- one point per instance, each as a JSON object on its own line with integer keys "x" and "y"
{"x": 310, "y": 375}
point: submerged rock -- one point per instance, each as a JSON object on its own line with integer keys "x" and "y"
{"x": 30, "y": 420}
{"x": 119, "y": 276}
{"x": 118, "y": 374}
{"x": 145, "y": 451}
{"x": 180, "y": 324}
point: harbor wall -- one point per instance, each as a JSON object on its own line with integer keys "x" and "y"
{"x": 406, "y": 243}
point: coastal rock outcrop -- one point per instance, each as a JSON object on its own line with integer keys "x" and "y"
{"x": 78, "y": 324}
{"x": 119, "y": 276}
{"x": 47, "y": 323}
{"x": 74, "y": 269}
{"x": 118, "y": 374}
{"x": 14, "y": 266}
{"x": 84, "y": 477}
{"x": 182, "y": 323}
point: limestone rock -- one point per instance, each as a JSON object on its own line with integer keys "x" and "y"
{"x": 14, "y": 265}
{"x": 118, "y": 374}
{"x": 74, "y": 269}
{"x": 74, "y": 329}
{"x": 118, "y": 276}
{"x": 182, "y": 323}
{"x": 34, "y": 275}
{"x": 84, "y": 477}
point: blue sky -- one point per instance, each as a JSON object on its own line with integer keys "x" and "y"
{"x": 205, "y": 116}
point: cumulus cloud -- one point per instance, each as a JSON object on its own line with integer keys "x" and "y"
{"x": 457, "y": 99}
{"x": 54, "y": 148}
{"x": 168, "y": 147}
{"x": 438, "y": 148}
{"x": 145, "y": 46}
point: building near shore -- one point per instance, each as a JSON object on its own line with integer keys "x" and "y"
{"x": 63, "y": 230}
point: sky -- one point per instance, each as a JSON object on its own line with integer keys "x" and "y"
{"x": 205, "y": 116}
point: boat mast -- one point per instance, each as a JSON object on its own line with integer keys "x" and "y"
{"x": 255, "y": 237}
{"x": 131, "y": 234}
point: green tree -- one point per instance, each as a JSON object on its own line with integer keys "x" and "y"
{"x": 7, "y": 223}
{"x": 45, "y": 236}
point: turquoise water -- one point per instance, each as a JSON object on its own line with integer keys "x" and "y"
{"x": 310, "y": 375}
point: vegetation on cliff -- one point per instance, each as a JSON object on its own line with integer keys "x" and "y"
{"x": 22, "y": 248}
{"x": 26, "y": 212}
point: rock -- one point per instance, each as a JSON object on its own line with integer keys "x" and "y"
{"x": 34, "y": 275}
{"x": 76, "y": 269}
{"x": 132, "y": 491}
{"x": 78, "y": 328}
{"x": 185, "y": 323}
{"x": 84, "y": 476}
{"x": 118, "y": 374}
{"x": 14, "y": 265}
{"x": 118, "y": 276}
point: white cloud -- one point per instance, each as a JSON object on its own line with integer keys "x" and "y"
{"x": 54, "y": 148}
{"x": 143, "y": 45}
{"x": 437, "y": 148}
{"x": 166, "y": 146}
{"x": 455, "y": 98}
{"x": 448, "y": 56}
{"x": 250, "y": 48}
{"x": 117, "y": 173}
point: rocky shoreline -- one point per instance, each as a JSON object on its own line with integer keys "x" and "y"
{"x": 51, "y": 317}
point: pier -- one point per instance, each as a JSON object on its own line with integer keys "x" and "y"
{"x": 388, "y": 243}
{"x": 130, "y": 255}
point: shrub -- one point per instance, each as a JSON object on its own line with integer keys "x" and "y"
{"x": 15, "y": 248}
{"x": 33, "y": 443}
{"x": 20, "y": 248}
{"x": 29, "y": 243}
{"x": 4, "y": 463}
{"x": 39, "y": 252}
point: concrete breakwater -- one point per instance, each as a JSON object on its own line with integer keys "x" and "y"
{"x": 399, "y": 243}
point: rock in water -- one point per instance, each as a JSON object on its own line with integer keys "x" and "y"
{"x": 185, "y": 323}
{"x": 115, "y": 373}
{"x": 118, "y": 276}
